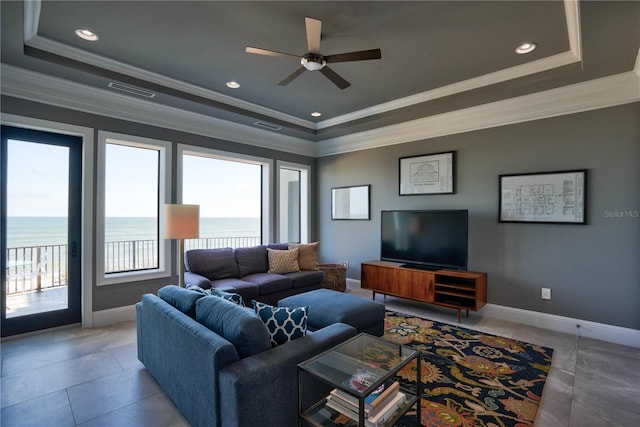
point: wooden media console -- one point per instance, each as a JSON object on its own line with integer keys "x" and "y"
{"x": 460, "y": 290}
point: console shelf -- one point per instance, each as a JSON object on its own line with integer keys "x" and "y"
{"x": 460, "y": 290}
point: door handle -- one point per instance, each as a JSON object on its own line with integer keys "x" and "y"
{"x": 74, "y": 250}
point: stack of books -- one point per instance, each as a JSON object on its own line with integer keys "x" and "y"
{"x": 379, "y": 406}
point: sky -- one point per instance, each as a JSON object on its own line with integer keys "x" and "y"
{"x": 37, "y": 183}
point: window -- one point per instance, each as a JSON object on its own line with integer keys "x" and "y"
{"x": 232, "y": 192}
{"x": 293, "y": 202}
{"x": 133, "y": 186}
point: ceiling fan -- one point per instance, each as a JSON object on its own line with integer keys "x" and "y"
{"x": 313, "y": 60}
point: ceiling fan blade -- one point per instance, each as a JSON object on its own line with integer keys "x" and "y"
{"x": 292, "y": 76}
{"x": 362, "y": 55}
{"x": 266, "y": 52}
{"x": 314, "y": 29}
{"x": 334, "y": 77}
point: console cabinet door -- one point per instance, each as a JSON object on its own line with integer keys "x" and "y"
{"x": 415, "y": 284}
{"x": 378, "y": 278}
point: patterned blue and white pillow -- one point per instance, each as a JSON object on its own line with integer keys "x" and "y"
{"x": 284, "y": 323}
{"x": 234, "y": 298}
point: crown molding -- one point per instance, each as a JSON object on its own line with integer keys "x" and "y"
{"x": 599, "y": 93}
{"x": 573, "y": 55}
{"x": 33, "y": 86}
{"x": 605, "y": 92}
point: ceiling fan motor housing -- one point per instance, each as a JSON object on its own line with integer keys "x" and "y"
{"x": 313, "y": 61}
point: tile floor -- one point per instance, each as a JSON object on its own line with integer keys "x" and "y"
{"x": 91, "y": 377}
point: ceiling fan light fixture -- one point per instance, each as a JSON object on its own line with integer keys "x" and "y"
{"x": 526, "y": 47}
{"x": 86, "y": 35}
{"x": 313, "y": 62}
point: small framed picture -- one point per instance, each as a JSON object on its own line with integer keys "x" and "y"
{"x": 350, "y": 202}
{"x": 549, "y": 197}
{"x": 427, "y": 174}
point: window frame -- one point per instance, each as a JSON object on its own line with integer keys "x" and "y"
{"x": 164, "y": 149}
{"x": 266, "y": 179}
{"x": 305, "y": 197}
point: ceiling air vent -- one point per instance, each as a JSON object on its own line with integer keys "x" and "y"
{"x": 268, "y": 126}
{"x": 132, "y": 90}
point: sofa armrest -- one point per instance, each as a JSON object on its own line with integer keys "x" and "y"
{"x": 191, "y": 278}
{"x": 248, "y": 387}
{"x": 184, "y": 357}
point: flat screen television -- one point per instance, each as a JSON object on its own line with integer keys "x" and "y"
{"x": 428, "y": 239}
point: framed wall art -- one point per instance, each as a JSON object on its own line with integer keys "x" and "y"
{"x": 549, "y": 197}
{"x": 427, "y": 174}
{"x": 350, "y": 202}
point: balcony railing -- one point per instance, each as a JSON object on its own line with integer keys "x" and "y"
{"x": 35, "y": 268}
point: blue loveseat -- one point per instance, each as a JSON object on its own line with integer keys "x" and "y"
{"x": 214, "y": 359}
{"x": 246, "y": 271}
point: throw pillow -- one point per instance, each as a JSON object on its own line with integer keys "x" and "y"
{"x": 307, "y": 255}
{"x": 234, "y": 298}
{"x": 281, "y": 262}
{"x": 284, "y": 323}
{"x": 229, "y": 296}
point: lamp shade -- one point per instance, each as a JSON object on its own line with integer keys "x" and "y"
{"x": 181, "y": 221}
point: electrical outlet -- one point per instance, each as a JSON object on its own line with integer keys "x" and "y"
{"x": 546, "y": 293}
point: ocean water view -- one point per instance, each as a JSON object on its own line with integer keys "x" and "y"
{"x": 37, "y": 231}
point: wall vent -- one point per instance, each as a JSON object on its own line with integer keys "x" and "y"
{"x": 132, "y": 90}
{"x": 266, "y": 125}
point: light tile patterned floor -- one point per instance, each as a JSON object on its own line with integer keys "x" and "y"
{"x": 91, "y": 377}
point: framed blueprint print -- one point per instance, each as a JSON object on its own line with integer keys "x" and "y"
{"x": 427, "y": 174}
{"x": 549, "y": 197}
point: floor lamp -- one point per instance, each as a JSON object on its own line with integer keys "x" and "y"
{"x": 181, "y": 222}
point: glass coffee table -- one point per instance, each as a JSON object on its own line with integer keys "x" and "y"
{"x": 361, "y": 372}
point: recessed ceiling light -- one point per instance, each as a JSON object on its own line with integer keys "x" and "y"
{"x": 316, "y": 114}
{"x": 233, "y": 85}
{"x": 526, "y": 47}
{"x": 86, "y": 35}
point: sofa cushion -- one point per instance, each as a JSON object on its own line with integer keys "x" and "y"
{"x": 246, "y": 289}
{"x": 281, "y": 261}
{"x": 239, "y": 326}
{"x": 307, "y": 255}
{"x": 180, "y": 298}
{"x": 302, "y": 279}
{"x": 269, "y": 283}
{"x": 252, "y": 260}
{"x": 212, "y": 263}
{"x": 284, "y": 323}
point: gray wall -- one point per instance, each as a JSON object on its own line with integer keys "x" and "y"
{"x": 593, "y": 270}
{"x": 111, "y": 296}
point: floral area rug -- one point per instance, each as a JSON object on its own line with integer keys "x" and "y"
{"x": 469, "y": 379}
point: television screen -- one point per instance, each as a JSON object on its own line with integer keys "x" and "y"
{"x": 425, "y": 239}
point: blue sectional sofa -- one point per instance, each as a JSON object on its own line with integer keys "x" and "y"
{"x": 246, "y": 271}
{"x": 214, "y": 360}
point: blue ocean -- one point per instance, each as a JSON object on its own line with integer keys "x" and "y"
{"x": 40, "y": 231}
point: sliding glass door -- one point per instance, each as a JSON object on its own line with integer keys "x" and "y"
{"x": 40, "y": 254}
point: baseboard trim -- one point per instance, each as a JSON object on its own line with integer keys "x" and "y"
{"x": 113, "y": 315}
{"x": 588, "y": 329}
{"x": 583, "y": 328}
